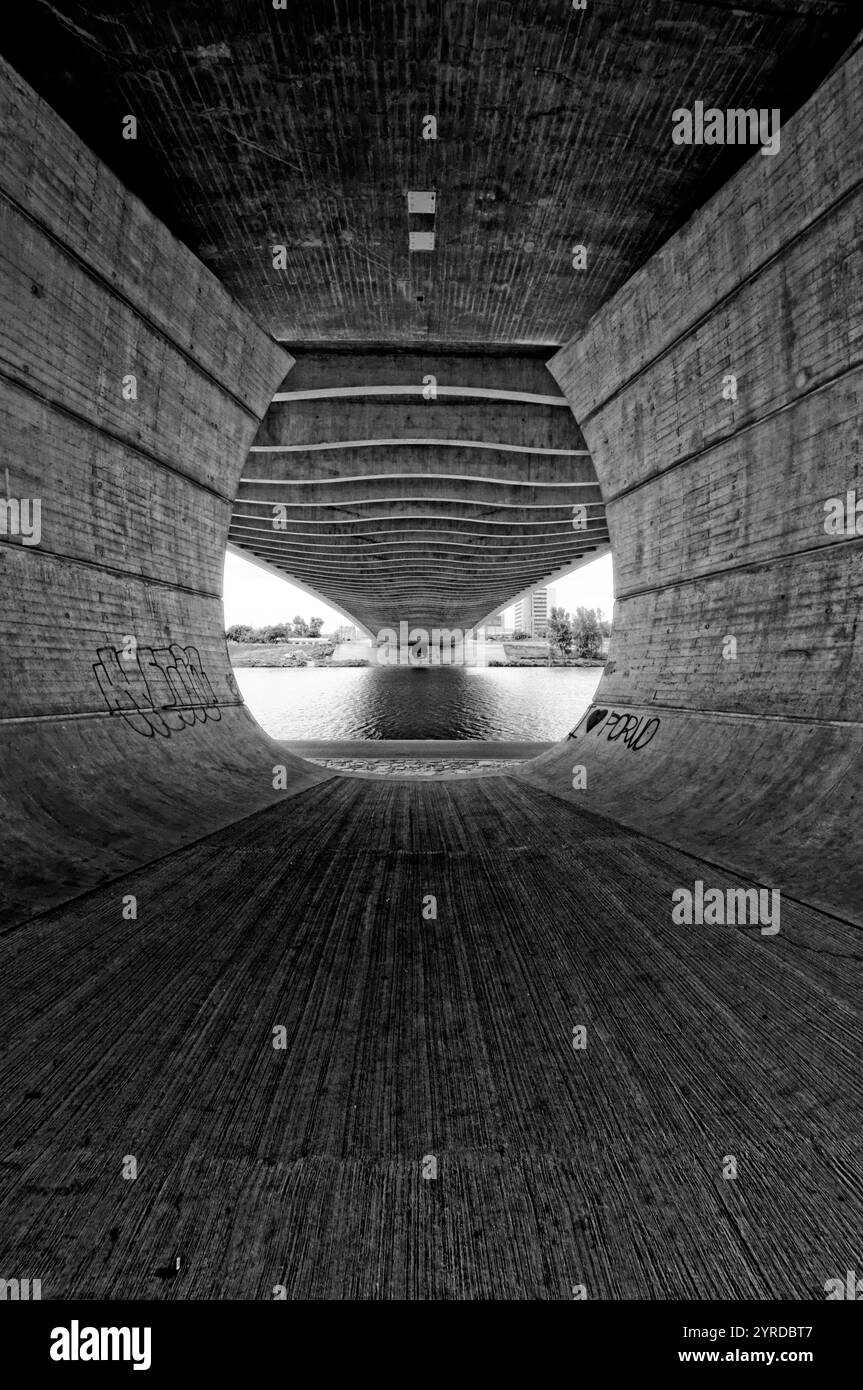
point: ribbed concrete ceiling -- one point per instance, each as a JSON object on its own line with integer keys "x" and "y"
{"x": 399, "y": 505}
{"x": 303, "y": 127}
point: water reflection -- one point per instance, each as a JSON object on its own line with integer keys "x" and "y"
{"x": 397, "y": 702}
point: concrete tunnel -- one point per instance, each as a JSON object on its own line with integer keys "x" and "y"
{"x": 298, "y": 905}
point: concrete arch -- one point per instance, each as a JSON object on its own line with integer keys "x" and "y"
{"x": 796, "y": 751}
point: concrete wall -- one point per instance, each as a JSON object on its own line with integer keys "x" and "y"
{"x": 135, "y": 506}
{"x": 716, "y": 514}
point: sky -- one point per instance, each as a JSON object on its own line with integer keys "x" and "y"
{"x": 254, "y": 596}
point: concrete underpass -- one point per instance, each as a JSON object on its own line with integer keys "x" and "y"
{"x": 434, "y": 432}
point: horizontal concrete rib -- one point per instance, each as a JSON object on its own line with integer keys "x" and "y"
{"x": 416, "y": 479}
{"x": 526, "y": 426}
{"x": 330, "y": 393}
{"x": 339, "y": 523}
{"x": 426, "y": 559}
{"x": 411, "y": 441}
{"x": 419, "y": 489}
{"x": 369, "y": 542}
{"x": 436, "y": 561}
{"x": 494, "y": 367}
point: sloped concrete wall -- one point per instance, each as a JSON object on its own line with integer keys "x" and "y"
{"x": 109, "y": 760}
{"x": 753, "y": 756}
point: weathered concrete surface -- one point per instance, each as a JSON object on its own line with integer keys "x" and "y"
{"x": 716, "y": 513}
{"x": 109, "y": 762}
{"x": 303, "y": 127}
{"x": 408, "y": 1037}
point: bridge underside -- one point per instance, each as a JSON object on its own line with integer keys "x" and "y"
{"x": 176, "y": 884}
{"x": 420, "y": 487}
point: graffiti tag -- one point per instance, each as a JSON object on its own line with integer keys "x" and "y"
{"x": 160, "y": 691}
{"x": 635, "y": 730}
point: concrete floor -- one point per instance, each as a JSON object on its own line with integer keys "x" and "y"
{"x": 407, "y": 1038}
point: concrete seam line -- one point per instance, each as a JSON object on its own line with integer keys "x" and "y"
{"x": 140, "y": 313}
{"x": 728, "y": 869}
{"x": 742, "y": 567}
{"x": 115, "y": 713}
{"x": 120, "y": 439}
{"x": 747, "y": 716}
{"x": 722, "y": 301}
{"x": 734, "y": 434}
{"x": 319, "y": 775}
{"x": 110, "y": 569}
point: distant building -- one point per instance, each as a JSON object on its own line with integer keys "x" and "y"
{"x": 494, "y": 626}
{"x": 531, "y": 614}
{"x": 348, "y": 633}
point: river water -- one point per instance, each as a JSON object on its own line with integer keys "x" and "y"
{"x": 455, "y": 702}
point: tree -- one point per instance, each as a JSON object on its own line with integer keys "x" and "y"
{"x": 586, "y": 632}
{"x": 301, "y": 627}
{"x": 315, "y": 625}
{"x": 239, "y": 632}
{"x": 560, "y": 633}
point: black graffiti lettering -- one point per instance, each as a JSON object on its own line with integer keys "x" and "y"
{"x": 189, "y": 662}
{"x": 630, "y": 729}
{"x": 116, "y": 686}
{"x": 636, "y": 731}
{"x": 163, "y": 690}
{"x": 157, "y": 667}
{"x": 640, "y": 741}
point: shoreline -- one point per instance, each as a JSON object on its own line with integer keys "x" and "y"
{"x": 293, "y": 657}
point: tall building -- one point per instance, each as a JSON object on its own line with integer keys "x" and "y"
{"x": 531, "y": 613}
